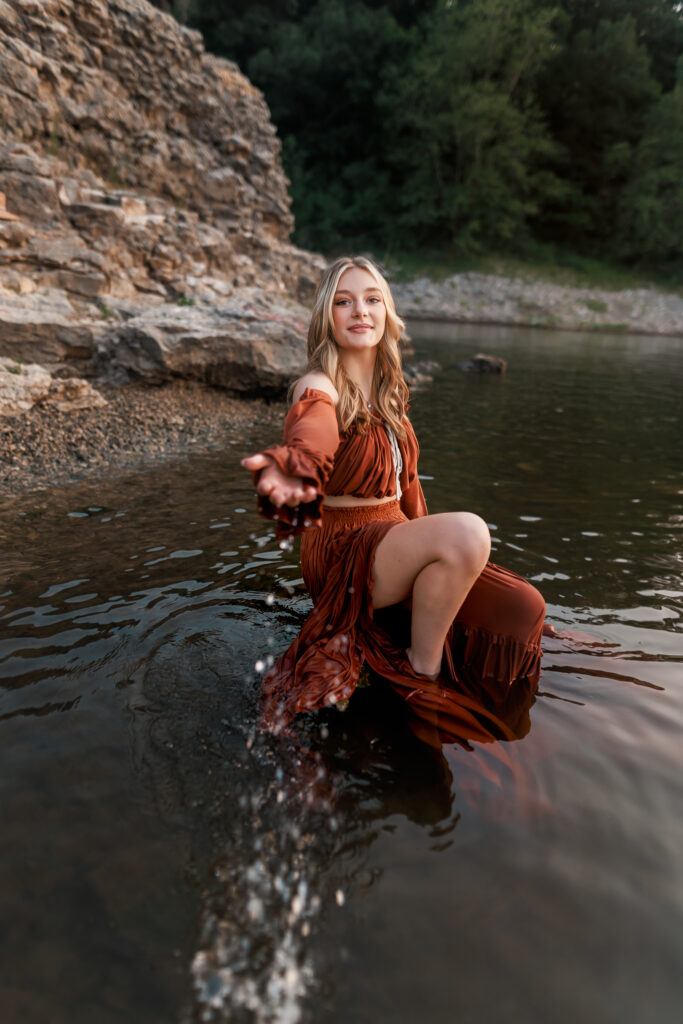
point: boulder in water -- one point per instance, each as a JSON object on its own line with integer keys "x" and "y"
{"x": 482, "y": 363}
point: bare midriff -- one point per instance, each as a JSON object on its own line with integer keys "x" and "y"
{"x": 351, "y": 501}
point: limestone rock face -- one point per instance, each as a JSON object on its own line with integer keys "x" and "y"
{"x": 138, "y": 173}
{"x": 134, "y": 160}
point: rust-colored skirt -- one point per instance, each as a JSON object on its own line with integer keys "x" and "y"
{"x": 492, "y": 653}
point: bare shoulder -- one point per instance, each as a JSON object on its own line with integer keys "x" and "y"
{"x": 319, "y": 381}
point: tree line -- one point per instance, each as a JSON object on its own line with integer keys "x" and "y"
{"x": 471, "y": 125}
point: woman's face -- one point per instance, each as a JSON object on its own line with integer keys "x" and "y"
{"x": 358, "y": 311}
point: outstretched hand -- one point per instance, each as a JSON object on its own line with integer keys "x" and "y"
{"x": 275, "y": 485}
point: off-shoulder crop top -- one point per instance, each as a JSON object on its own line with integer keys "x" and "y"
{"x": 353, "y": 463}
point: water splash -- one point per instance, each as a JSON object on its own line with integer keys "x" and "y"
{"x": 253, "y": 960}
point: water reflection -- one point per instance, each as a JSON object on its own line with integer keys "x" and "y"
{"x": 161, "y": 855}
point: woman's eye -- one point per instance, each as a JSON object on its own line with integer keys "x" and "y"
{"x": 340, "y": 302}
{"x": 374, "y": 298}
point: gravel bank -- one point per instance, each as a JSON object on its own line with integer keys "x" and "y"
{"x": 488, "y": 298}
{"x": 138, "y": 426}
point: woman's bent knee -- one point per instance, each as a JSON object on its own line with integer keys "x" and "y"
{"x": 467, "y": 542}
{"x": 532, "y": 605}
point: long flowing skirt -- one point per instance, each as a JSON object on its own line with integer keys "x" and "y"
{"x": 492, "y": 652}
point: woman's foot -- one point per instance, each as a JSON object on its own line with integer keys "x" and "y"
{"x": 419, "y": 669}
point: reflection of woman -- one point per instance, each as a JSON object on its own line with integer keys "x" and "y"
{"x": 411, "y": 594}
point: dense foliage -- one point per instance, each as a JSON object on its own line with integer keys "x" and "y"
{"x": 470, "y": 124}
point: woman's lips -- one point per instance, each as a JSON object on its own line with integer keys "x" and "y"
{"x": 359, "y": 328}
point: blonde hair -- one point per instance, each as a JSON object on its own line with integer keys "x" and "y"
{"x": 388, "y": 386}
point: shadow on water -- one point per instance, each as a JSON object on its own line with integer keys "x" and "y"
{"x": 164, "y": 862}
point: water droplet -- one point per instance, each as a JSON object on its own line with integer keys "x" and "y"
{"x": 339, "y": 897}
{"x": 255, "y": 908}
{"x": 260, "y": 666}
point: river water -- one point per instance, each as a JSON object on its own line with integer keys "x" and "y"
{"x": 164, "y": 863}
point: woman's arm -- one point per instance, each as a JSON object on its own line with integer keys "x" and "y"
{"x": 290, "y": 478}
{"x": 413, "y": 504}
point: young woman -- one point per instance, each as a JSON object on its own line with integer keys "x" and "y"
{"x": 411, "y": 594}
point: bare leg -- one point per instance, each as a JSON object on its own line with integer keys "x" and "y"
{"x": 434, "y": 560}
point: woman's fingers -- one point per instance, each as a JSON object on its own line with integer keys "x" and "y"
{"x": 277, "y": 492}
{"x": 275, "y": 485}
{"x": 255, "y": 462}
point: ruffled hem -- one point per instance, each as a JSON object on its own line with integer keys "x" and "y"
{"x": 492, "y": 661}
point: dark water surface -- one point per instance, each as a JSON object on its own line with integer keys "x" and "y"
{"x": 162, "y": 863}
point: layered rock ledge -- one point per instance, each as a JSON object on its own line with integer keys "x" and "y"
{"x": 144, "y": 215}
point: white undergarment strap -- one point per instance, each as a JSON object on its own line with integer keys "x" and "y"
{"x": 396, "y": 457}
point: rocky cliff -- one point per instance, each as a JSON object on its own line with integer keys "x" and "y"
{"x": 138, "y": 173}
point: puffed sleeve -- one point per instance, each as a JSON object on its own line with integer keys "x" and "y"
{"x": 311, "y": 437}
{"x": 413, "y": 504}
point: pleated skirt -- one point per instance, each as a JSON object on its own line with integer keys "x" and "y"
{"x": 492, "y": 653}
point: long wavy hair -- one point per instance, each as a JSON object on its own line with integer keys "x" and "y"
{"x": 389, "y": 389}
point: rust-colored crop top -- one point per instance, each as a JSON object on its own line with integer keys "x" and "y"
{"x": 349, "y": 463}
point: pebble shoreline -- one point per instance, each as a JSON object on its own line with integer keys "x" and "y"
{"x": 139, "y": 426}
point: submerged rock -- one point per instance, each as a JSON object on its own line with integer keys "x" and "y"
{"x": 482, "y": 363}
{"x": 417, "y": 374}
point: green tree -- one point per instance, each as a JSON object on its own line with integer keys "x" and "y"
{"x": 476, "y": 123}
{"x": 321, "y": 76}
{"x": 650, "y": 221}
{"x": 659, "y": 25}
{"x": 469, "y": 137}
{"x": 596, "y": 93}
